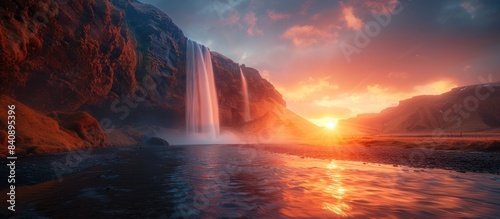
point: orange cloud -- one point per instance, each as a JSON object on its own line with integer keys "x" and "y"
{"x": 277, "y": 16}
{"x": 251, "y": 20}
{"x": 352, "y": 21}
{"x": 307, "y": 89}
{"x": 372, "y": 100}
{"x": 397, "y": 75}
{"x": 382, "y": 6}
{"x": 376, "y": 98}
{"x": 376, "y": 89}
{"x": 307, "y": 35}
{"x": 437, "y": 87}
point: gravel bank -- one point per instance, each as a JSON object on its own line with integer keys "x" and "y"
{"x": 460, "y": 161}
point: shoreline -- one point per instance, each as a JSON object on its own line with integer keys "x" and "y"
{"x": 455, "y": 156}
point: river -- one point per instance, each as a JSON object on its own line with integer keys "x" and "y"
{"x": 230, "y": 181}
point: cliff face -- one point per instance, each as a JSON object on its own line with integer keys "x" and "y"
{"x": 120, "y": 60}
{"x": 60, "y": 56}
{"x": 228, "y": 81}
{"x": 464, "y": 109}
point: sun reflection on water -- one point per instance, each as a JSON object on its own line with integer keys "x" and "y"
{"x": 337, "y": 191}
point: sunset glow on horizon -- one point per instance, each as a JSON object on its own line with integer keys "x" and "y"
{"x": 338, "y": 59}
{"x": 331, "y": 125}
{"x": 327, "y": 122}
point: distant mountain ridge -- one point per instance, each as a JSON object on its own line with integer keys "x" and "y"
{"x": 474, "y": 108}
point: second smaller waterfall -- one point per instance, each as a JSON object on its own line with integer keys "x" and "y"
{"x": 244, "y": 91}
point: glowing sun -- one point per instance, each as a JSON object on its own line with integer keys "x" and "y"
{"x": 331, "y": 125}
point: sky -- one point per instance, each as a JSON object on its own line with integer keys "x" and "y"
{"x": 336, "y": 59}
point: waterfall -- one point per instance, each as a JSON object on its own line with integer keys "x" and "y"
{"x": 202, "y": 109}
{"x": 244, "y": 90}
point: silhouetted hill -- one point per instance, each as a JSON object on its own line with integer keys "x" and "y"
{"x": 474, "y": 108}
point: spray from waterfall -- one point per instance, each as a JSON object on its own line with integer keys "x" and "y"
{"x": 244, "y": 90}
{"x": 202, "y": 108}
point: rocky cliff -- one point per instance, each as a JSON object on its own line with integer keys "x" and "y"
{"x": 121, "y": 61}
{"x": 464, "y": 109}
{"x": 68, "y": 54}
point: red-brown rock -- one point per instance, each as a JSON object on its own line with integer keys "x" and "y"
{"x": 38, "y": 133}
{"x": 83, "y": 124}
{"x": 68, "y": 53}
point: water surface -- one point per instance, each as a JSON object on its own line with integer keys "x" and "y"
{"x": 214, "y": 181}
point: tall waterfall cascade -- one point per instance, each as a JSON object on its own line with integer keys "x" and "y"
{"x": 202, "y": 108}
{"x": 244, "y": 91}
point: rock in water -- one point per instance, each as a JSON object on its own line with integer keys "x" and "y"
{"x": 157, "y": 141}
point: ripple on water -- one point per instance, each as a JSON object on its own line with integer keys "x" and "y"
{"x": 94, "y": 193}
{"x": 287, "y": 185}
{"x": 224, "y": 182}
